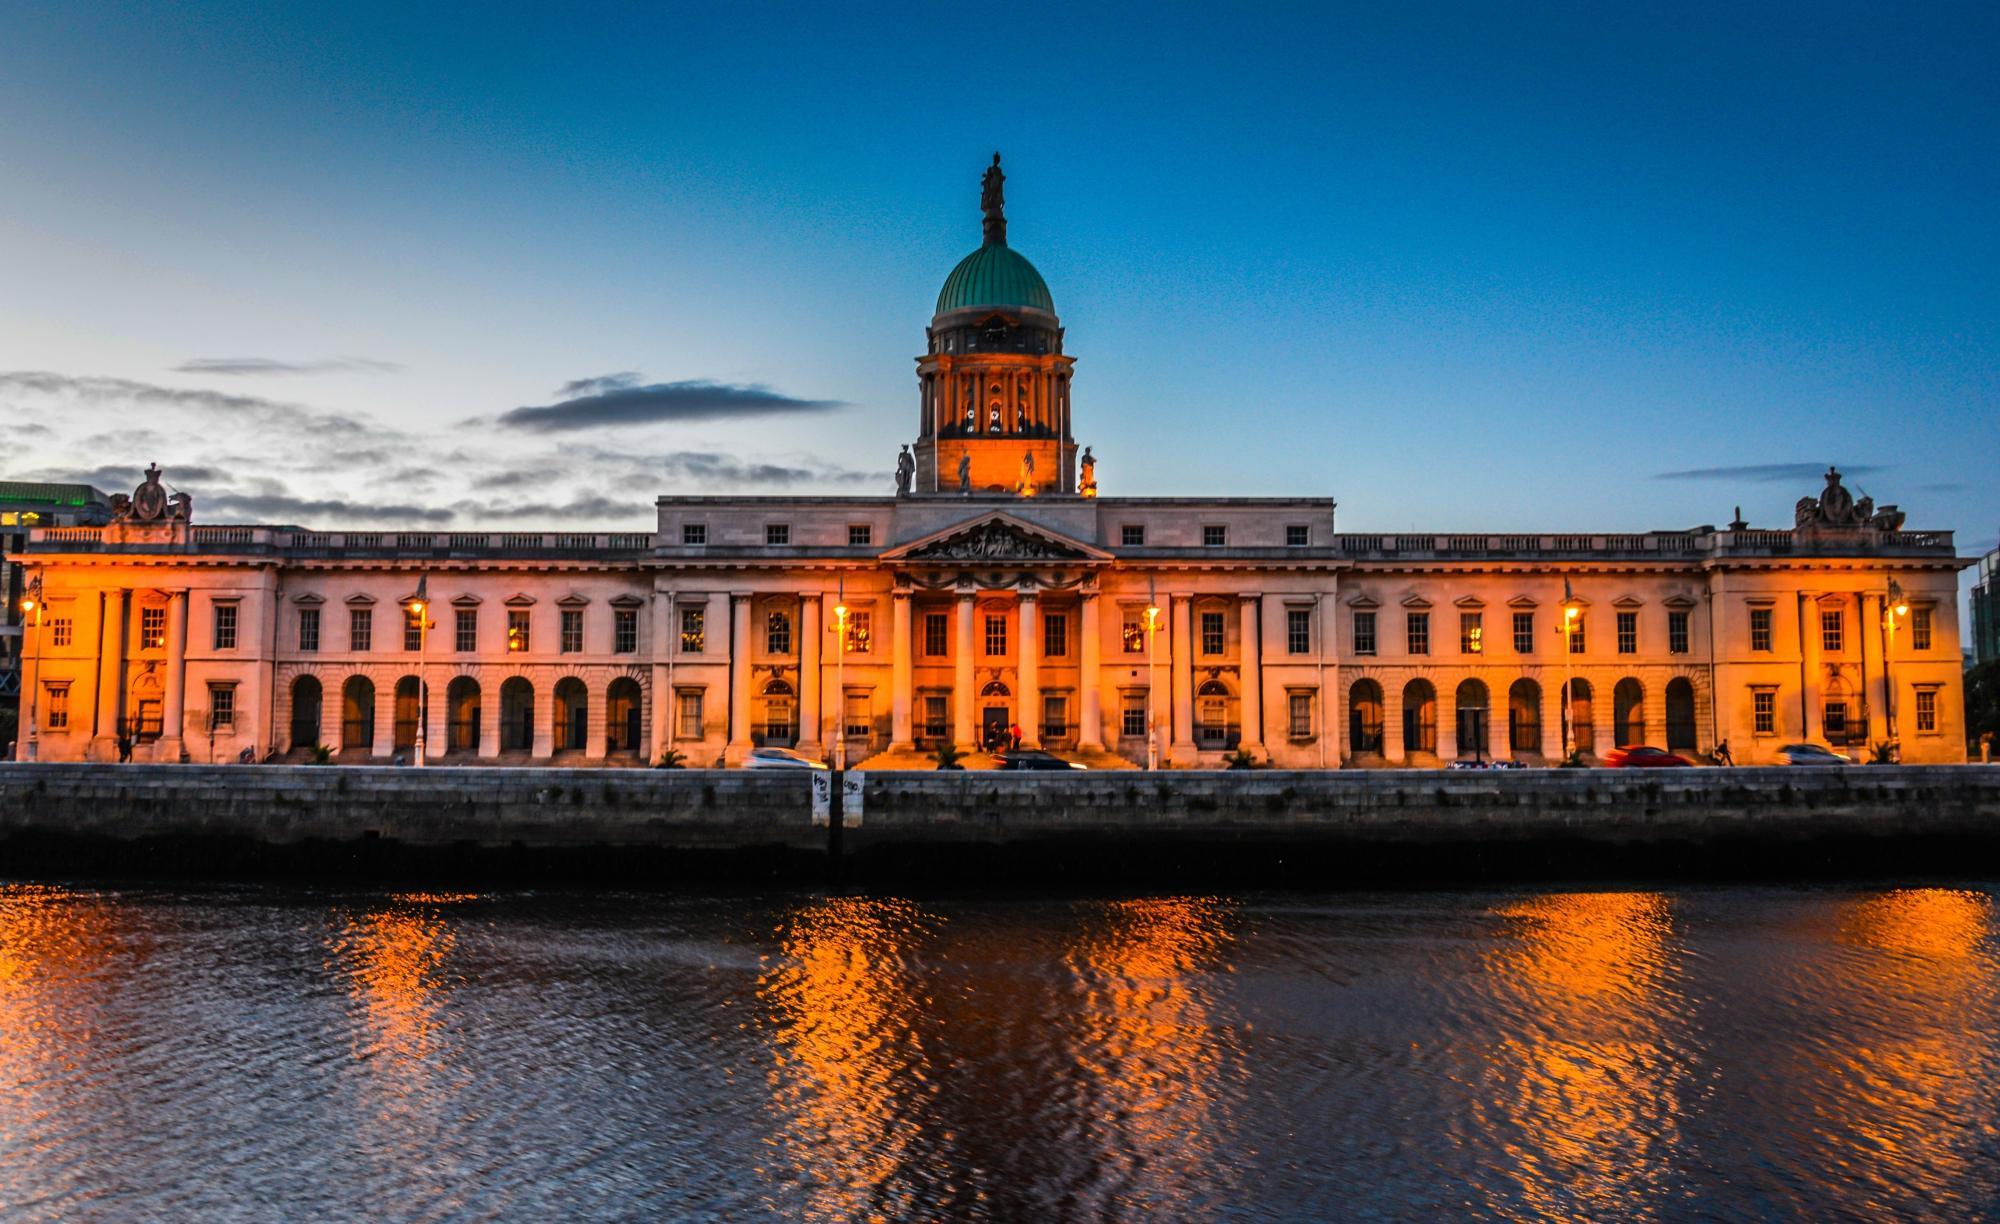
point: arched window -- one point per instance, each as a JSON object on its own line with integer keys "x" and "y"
{"x": 1582, "y": 724}
{"x": 995, "y": 689}
{"x": 1469, "y": 705}
{"x": 1420, "y": 718}
{"x": 623, "y": 702}
{"x": 306, "y": 698}
{"x": 1680, "y": 715}
{"x": 1524, "y": 716}
{"x": 517, "y": 715}
{"x": 409, "y": 711}
{"x": 357, "y": 715}
{"x": 1215, "y": 716}
{"x": 1628, "y": 712}
{"x": 461, "y": 699}
{"x": 572, "y": 715}
{"x": 1364, "y": 718}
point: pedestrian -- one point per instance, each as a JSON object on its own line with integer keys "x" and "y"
{"x": 1014, "y": 732}
{"x": 124, "y": 749}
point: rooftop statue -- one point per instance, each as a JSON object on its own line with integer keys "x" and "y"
{"x": 992, "y": 203}
{"x": 906, "y": 470}
{"x": 965, "y": 474}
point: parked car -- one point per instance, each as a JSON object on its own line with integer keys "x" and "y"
{"x": 1812, "y": 754}
{"x": 1644, "y": 756}
{"x": 1034, "y": 758}
{"x": 780, "y": 758}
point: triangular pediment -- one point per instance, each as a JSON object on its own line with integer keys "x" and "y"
{"x": 997, "y": 537}
{"x": 1363, "y": 602}
{"x": 1415, "y": 601}
{"x": 1522, "y": 601}
{"x": 1468, "y": 601}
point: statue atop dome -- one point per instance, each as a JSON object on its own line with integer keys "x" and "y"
{"x": 992, "y": 203}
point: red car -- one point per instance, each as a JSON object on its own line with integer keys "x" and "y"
{"x": 1641, "y": 756}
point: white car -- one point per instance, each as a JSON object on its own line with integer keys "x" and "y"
{"x": 780, "y": 758}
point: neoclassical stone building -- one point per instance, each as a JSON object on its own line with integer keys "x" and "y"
{"x": 995, "y": 589}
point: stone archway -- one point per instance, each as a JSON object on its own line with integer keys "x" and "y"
{"x": 996, "y": 715}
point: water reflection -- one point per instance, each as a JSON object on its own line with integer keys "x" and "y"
{"x": 1583, "y": 1091}
{"x": 393, "y": 959}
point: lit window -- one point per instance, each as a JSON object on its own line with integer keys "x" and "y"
{"x": 1133, "y": 632}
{"x": 777, "y": 533}
{"x": 1764, "y": 708}
{"x": 308, "y": 630}
{"x": 625, "y": 631}
{"x": 1677, "y": 633}
{"x": 859, "y": 633}
{"x": 996, "y": 635}
{"x": 1298, "y": 535}
{"x": 225, "y": 626}
{"x": 1211, "y": 633}
{"x": 55, "y": 706}
{"x": 858, "y": 724}
{"x": 778, "y": 633}
{"x": 1214, "y": 536}
{"x": 688, "y": 714}
{"x": 1132, "y": 535}
{"x": 517, "y": 631}
{"x": 1760, "y": 628}
{"x": 1055, "y": 636}
{"x": 1576, "y": 635}
{"x": 413, "y": 629}
{"x": 1831, "y": 635}
{"x": 465, "y": 630}
{"x": 360, "y": 629}
{"x": 572, "y": 631}
{"x": 1628, "y": 633}
{"x": 693, "y": 633}
{"x": 1299, "y": 715}
{"x": 1524, "y": 633}
{"x": 1920, "y": 629}
{"x": 1927, "y": 710}
{"x": 860, "y": 534}
{"x": 937, "y": 634}
{"x": 153, "y": 629}
{"x": 1417, "y": 632}
{"x": 694, "y": 535}
{"x": 1299, "y": 636}
{"x": 1471, "y": 636}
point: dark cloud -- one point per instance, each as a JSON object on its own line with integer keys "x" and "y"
{"x": 513, "y": 478}
{"x": 268, "y": 365}
{"x": 1767, "y": 473}
{"x": 117, "y": 478}
{"x": 251, "y": 410}
{"x": 1943, "y": 486}
{"x": 592, "y": 506}
{"x": 263, "y": 507}
{"x": 597, "y": 386}
{"x": 629, "y": 404}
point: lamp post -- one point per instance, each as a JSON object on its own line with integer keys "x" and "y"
{"x": 1894, "y": 608}
{"x": 32, "y": 602}
{"x": 422, "y": 610}
{"x": 1567, "y": 627}
{"x": 1153, "y": 729}
{"x": 840, "y": 688}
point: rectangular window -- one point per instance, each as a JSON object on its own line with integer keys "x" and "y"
{"x": 1920, "y": 629}
{"x": 860, "y": 632}
{"x": 1299, "y": 716}
{"x": 1677, "y": 633}
{"x": 465, "y": 630}
{"x": 61, "y": 631}
{"x": 693, "y": 631}
{"x": 1300, "y": 635}
{"x": 1134, "y": 632}
{"x": 56, "y": 703}
{"x": 860, "y": 534}
{"x": 1417, "y": 633}
{"x": 1211, "y": 633}
{"x": 1764, "y": 709}
{"x": 778, "y": 633}
{"x": 308, "y": 630}
{"x": 777, "y": 533}
{"x": 1132, "y": 535}
{"x": 625, "y": 630}
{"x": 1214, "y": 535}
{"x": 937, "y": 717}
{"x": 1055, "y": 716}
{"x": 517, "y": 630}
{"x": 225, "y": 626}
{"x": 937, "y": 634}
{"x": 996, "y": 635}
{"x": 1576, "y": 635}
{"x": 1132, "y": 717}
{"x": 694, "y": 535}
{"x": 222, "y": 707}
{"x": 1298, "y": 535}
{"x": 361, "y": 629}
{"x": 688, "y": 714}
{"x": 1927, "y": 710}
{"x": 1471, "y": 633}
{"x": 413, "y": 629}
{"x": 1055, "y": 636}
{"x": 1524, "y": 633}
{"x": 1833, "y": 718}
{"x": 1831, "y": 636}
{"x": 153, "y": 629}
{"x": 572, "y": 631}
{"x": 858, "y": 723}
{"x": 1628, "y": 633}
{"x": 1760, "y": 628}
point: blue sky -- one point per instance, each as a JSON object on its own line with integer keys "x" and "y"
{"x": 1460, "y": 266}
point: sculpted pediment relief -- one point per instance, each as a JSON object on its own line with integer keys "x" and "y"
{"x": 999, "y": 539}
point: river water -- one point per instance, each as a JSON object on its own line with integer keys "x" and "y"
{"x": 1811, "y": 1053}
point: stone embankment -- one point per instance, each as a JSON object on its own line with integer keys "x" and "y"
{"x": 1254, "y": 825}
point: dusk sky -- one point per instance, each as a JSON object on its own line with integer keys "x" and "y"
{"x": 1609, "y": 267}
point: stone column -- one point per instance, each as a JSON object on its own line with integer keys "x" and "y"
{"x": 1552, "y": 720}
{"x": 1447, "y": 717}
{"x": 900, "y": 681}
{"x": 544, "y": 738}
{"x": 1392, "y": 721}
{"x": 1028, "y": 703}
{"x": 1810, "y": 671}
{"x": 660, "y": 647}
{"x": 173, "y": 730}
{"x": 1252, "y": 657}
{"x": 1875, "y": 693}
{"x": 1090, "y": 734}
{"x": 811, "y": 681}
{"x": 1180, "y": 675}
{"x": 385, "y": 718}
{"x": 739, "y": 678}
{"x": 961, "y": 681}
{"x": 110, "y": 674}
{"x": 489, "y": 713}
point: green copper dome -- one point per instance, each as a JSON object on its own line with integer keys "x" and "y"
{"x": 995, "y": 275}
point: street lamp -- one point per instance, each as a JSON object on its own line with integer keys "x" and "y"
{"x": 1894, "y": 608}
{"x": 419, "y": 608}
{"x": 1153, "y": 728}
{"x": 840, "y": 688}
{"x": 32, "y": 602}
{"x": 1567, "y": 627}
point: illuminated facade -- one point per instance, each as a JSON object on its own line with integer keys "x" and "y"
{"x": 993, "y": 591}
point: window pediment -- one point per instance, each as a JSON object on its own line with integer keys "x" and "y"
{"x": 520, "y": 601}
{"x": 572, "y": 600}
{"x": 1628, "y": 601}
{"x": 1523, "y": 601}
{"x": 360, "y": 601}
{"x": 309, "y": 600}
{"x": 1415, "y": 601}
{"x": 628, "y": 601}
{"x": 1678, "y": 602}
{"x": 1364, "y": 602}
{"x": 466, "y": 601}
{"x": 1468, "y": 601}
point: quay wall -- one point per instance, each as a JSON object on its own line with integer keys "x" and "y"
{"x": 733, "y": 823}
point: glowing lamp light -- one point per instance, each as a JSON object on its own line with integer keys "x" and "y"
{"x": 27, "y": 605}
